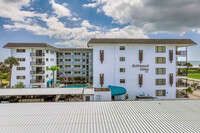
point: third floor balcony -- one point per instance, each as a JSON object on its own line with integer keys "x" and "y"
{"x": 37, "y": 54}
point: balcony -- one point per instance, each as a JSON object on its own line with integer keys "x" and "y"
{"x": 37, "y": 81}
{"x": 181, "y": 83}
{"x": 37, "y": 54}
{"x": 77, "y": 56}
{"x": 181, "y": 53}
{"x": 181, "y": 63}
{"x": 37, "y": 72}
{"x": 37, "y": 63}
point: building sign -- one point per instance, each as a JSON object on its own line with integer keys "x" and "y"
{"x": 142, "y": 67}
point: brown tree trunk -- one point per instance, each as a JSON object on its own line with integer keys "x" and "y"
{"x": 53, "y": 79}
{"x": 10, "y": 76}
{"x": 1, "y": 83}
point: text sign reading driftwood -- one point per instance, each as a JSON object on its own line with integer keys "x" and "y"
{"x": 142, "y": 67}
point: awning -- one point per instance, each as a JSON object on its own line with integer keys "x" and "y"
{"x": 117, "y": 90}
{"x": 48, "y": 82}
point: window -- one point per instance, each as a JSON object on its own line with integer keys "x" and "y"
{"x": 47, "y": 76}
{"x": 47, "y": 51}
{"x": 61, "y": 53}
{"x": 52, "y": 52}
{"x": 21, "y": 77}
{"x": 122, "y": 80}
{"x": 83, "y": 66}
{"x": 77, "y": 66}
{"x": 160, "y": 49}
{"x": 21, "y": 59}
{"x": 77, "y": 53}
{"x": 47, "y": 67}
{"x": 83, "y": 54}
{"x": 20, "y": 50}
{"x": 83, "y": 60}
{"x": 67, "y": 53}
{"x": 160, "y": 92}
{"x": 21, "y": 68}
{"x": 77, "y": 59}
{"x": 67, "y": 66}
{"x": 67, "y": 59}
{"x": 160, "y": 60}
{"x": 61, "y": 66}
{"x": 52, "y": 59}
{"x": 61, "y": 60}
{"x": 77, "y": 72}
{"x": 122, "y": 48}
{"x": 122, "y": 58}
{"x": 122, "y": 69}
{"x": 68, "y": 72}
{"x": 160, "y": 70}
{"x": 47, "y": 59}
{"x": 160, "y": 81}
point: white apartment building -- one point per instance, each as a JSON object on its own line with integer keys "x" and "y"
{"x": 140, "y": 66}
{"x": 34, "y": 59}
{"x": 76, "y": 64}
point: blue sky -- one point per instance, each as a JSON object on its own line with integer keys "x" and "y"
{"x": 71, "y": 23}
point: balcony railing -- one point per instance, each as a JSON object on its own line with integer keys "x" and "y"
{"x": 37, "y": 81}
{"x": 37, "y": 63}
{"x": 183, "y": 53}
{"x": 37, "y": 72}
{"x": 181, "y": 74}
{"x": 37, "y": 54}
{"x": 181, "y": 84}
{"x": 181, "y": 63}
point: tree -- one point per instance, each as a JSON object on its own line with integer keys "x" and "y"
{"x": 2, "y": 76}
{"x": 11, "y": 61}
{"x": 53, "y": 69}
{"x": 188, "y": 64}
{"x": 19, "y": 85}
{"x": 4, "y": 68}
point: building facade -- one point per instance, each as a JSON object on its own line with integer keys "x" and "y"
{"x": 76, "y": 64}
{"x": 34, "y": 59}
{"x": 154, "y": 67}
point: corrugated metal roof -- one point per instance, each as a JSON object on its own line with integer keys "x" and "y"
{"x": 139, "y": 41}
{"x": 96, "y": 117}
{"x": 40, "y": 91}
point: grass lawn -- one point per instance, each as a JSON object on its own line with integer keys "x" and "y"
{"x": 194, "y": 76}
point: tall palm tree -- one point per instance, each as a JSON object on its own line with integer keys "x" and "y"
{"x": 11, "y": 61}
{"x": 53, "y": 69}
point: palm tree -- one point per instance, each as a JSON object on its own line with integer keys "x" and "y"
{"x": 11, "y": 61}
{"x": 53, "y": 69}
{"x": 2, "y": 76}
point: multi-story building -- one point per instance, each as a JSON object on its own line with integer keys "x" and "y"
{"x": 155, "y": 67}
{"x": 35, "y": 58}
{"x": 76, "y": 64}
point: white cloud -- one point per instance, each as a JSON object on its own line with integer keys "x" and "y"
{"x": 14, "y": 10}
{"x": 85, "y": 23}
{"x": 60, "y": 10}
{"x": 76, "y": 36}
{"x": 152, "y": 15}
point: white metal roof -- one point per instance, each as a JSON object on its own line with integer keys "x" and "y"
{"x": 88, "y": 91}
{"x": 121, "y": 116}
{"x": 39, "y": 91}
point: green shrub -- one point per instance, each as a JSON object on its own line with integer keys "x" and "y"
{"x": 19, "y": 85}
{"x": 190, "y": 90}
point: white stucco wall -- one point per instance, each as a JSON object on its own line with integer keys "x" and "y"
{"x": 104, "y": 95}
{"x": 112, "y": 75}
{"x": 29, "y": 67}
